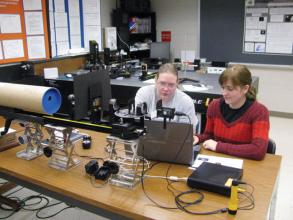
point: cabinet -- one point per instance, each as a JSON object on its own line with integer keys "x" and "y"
{"x": 135, "y": 31}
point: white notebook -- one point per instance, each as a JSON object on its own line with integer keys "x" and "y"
{"x": 230, "y": 162}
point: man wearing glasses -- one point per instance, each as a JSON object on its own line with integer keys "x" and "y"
{"x": 165, "y": 89}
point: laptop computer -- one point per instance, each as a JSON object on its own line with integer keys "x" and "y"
{"x": 174, "y": 144}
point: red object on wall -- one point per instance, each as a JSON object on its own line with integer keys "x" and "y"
{"x": 166, "y": 36}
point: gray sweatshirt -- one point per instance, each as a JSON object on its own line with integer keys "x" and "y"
{"x": 180, "y": 101}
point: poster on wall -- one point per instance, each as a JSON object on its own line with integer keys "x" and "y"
{"x": 268, "y": 27}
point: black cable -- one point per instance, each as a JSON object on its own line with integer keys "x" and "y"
{"x": 35, "y": 197}
{"x": 181, "y": 147}
{"x": 23, "y": 205}
{"x": 248, "y": 196}
{"x": 48, "y": 206}
{"x": 143, "y": 172}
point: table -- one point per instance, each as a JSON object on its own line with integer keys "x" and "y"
{"x": 74, "y": 186}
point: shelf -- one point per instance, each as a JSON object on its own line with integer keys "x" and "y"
{"x": 142, "y": 24}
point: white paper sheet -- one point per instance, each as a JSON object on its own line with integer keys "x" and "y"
{"x": 91, "y": 19}
{"x": 32, "y": 4}
{"x": 10, "y": 23}
{"x": 92, "y": 33}
{"x": 277, "y": 18}
{"x": 73, "y": 7}
{"x": 230, "y": 162}
{"x": 13, "y": 48}
{"x": 62, "y": 48}
{"x": 51, "y": 73}
{"x": 187, "y": 55}
{"x": 60, "y": 19}
{"x": 255, "y": 35}
{"x": 249, "y": 47}
{"x": 34, "y": 23}
{"x": 36, "y": 47}
{"x": 281, "y": 10}
{"x": 59, "y": 6}
{"x": 280, "y": 38}
{"x": 256, "y": 10}
{"x": 91, "y": 6}
{"x": 259, "y": 22}
{"x": 74, "y": 23}
{"x": 75, "y": 41}
{"x": 61, "y": 34}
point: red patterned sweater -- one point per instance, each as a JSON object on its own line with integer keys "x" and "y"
{"x": 246, "y": 137}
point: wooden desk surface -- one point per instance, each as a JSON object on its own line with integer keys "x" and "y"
{"x": 132, "y": 202}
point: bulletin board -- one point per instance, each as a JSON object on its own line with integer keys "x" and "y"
{"x": 23, "y": 30}
{"x": 73, "y": 23}
{"x": 222, "y": 36}
{"x": 269, "y": 28}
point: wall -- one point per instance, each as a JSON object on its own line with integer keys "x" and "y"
{"x": 275, "y": 88}
{"x": 182, "y": 19}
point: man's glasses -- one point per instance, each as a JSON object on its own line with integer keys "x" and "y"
{"x": 167, "y": 85}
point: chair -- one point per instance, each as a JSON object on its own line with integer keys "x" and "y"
{"x": 271, "y": 146}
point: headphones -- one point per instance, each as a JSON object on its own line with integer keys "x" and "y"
{"x": 101, "y": 173}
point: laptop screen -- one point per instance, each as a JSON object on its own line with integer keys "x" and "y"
{"x": 173, "y": 144}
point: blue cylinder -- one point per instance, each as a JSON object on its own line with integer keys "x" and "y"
{"x": 51, "y": 101}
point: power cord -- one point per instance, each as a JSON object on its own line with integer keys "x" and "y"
{"x": 53, "y": 215}
{"x": 24, "y": 205}
{"x": 247, "y": 197}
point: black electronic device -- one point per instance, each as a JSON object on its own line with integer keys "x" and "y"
{"x": 48, "y": 151}
{"x": 160, "y": 51}
{"x": 83, "y": 94}
{"x": 214, "y": 178}
{"x": 173, "y": 144}
{"x": 107, "y": 56}
{"x": 102, "y": 173}
{"x": 196, "y": 150}
{"x": 164, "y": 112}
{"x": 141, "y": 109}
{"x": 86, "y": 142}
{"x": 124, "y": 130}
{"x": 144, "y": 71}
{"x": 94, "y": 52}
{"x": 219, "y": 64}
{"x": 184, "y": 79}
{"x": 196, "y": 63}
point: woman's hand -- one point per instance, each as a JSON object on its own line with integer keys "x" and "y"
{"x": 195, "y": 140}
{"x": 210, "y": 144}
